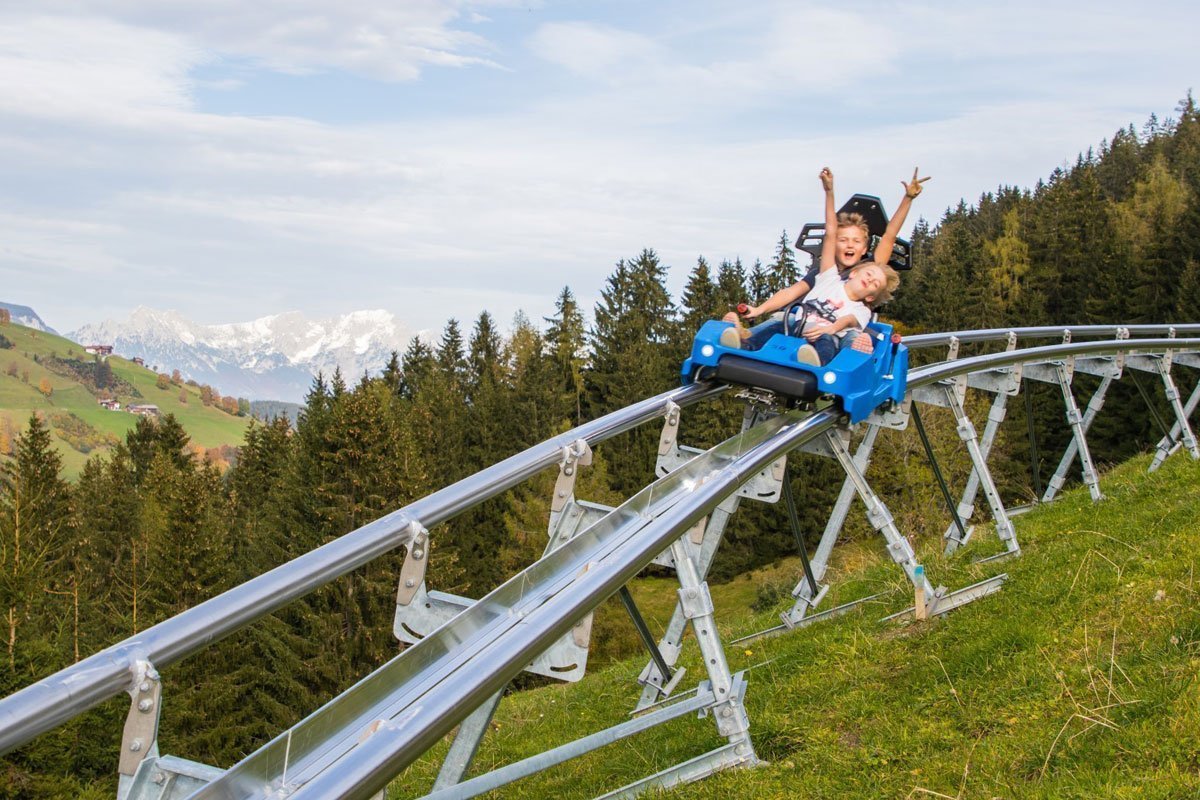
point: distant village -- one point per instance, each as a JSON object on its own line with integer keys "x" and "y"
{"x": 141, "y": 409}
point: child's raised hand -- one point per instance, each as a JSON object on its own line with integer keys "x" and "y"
{"x": 827, "y": 179}
{"x": 911, "y": 190}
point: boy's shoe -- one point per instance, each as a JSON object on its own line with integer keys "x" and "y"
{"x": 807, "y": 354}
{"x": 732, "y": 337}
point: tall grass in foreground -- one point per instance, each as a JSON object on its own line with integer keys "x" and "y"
{"x": 1079, "y": 679}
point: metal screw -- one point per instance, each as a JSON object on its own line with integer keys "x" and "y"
{"x": 160, "y": 778}
{"x": 136, "y": 745}
{"x": 410, "y": 583}
{"x": 145, "y": 705}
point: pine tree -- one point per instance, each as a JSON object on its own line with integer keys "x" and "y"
{"x": 783, "y": 271}
{"x": 257, "y": 490}
{"x": 699, "y": 300}
{"x": 731, "y": 283}
{"x": 1007, "y": 262}
{"x": 393, "y": 375}
{"x": 484, "y": 366}
{"x": 1187, "y": 305}
{"x": 759, "y": 283}
{"x": 566, "y": 340}
{"x": 1149, "y": 221}
{"x": 34, "y": 516}
{"x": 631, "y": 354}
{"x": 536, "y": 407}
{"x": 150, "y": 438}
{"x": 450, "y": 358}
{"x": 417, "y": 364}
{"x": 109, "y": 552}
{"x": 308, "y": 467}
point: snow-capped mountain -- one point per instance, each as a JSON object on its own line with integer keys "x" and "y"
{"x": 273, "y": 357}
{"x": 24, "y": 315}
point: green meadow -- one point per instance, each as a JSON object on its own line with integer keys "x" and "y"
{"x": 21, "y": 396}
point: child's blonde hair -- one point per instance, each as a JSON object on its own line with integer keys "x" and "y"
{"x": 891, "y": 282}
{"x": 852, "y": 219}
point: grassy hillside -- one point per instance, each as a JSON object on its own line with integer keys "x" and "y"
{"x": 1079, "y": 679}
{"x": 20, "y": 395}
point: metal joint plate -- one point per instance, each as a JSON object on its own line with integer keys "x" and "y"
{"x": 1101, "y": 366}
{"x": 1147, "y": 363}
{"x": 565, "y": 660}
{"x": 1004, "y": 380}
{"x": 1047, "y": 372}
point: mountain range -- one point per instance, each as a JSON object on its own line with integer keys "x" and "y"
{"x": 271, "y": 358}
{"x": 24, "y": 315}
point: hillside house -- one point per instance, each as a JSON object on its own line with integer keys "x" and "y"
{"x": 141, "y": 362}
{"x": 111, "y": 405}
{"x": 99, "y": 349}
{"x": 142, "y": 409}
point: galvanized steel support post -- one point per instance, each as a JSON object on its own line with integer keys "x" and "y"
{"x": 1055, "y": 484}
{"x": 881, "y": 519}
{"x": 966, "y": 432}
{"x": 806, "y": 600}
{"x": 1170, "y": 443}
{"x": 466, "y": 743}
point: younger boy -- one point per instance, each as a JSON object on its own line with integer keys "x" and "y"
{"x": 834, "y": 305}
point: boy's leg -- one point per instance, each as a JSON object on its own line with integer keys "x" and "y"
{"x": 733, "y": 337}
{"x": 760, "y": 334}
{"x": 826, "y": 347}
{"x": 818, "y": 352}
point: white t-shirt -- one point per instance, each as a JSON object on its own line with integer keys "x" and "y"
{"x": 827, "y": 303}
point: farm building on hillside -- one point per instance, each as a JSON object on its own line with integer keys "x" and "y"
{"x": 143, "y": 409}
{"x": 99, "y": 349}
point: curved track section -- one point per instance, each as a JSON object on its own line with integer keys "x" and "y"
{"x": 356, "y": 743}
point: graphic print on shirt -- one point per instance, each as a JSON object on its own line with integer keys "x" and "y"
{"x": 826, "y": 309}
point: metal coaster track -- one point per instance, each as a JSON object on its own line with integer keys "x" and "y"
{"x": 358, "y": 741}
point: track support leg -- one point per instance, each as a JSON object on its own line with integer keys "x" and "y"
{"x": 1170, "y": 443}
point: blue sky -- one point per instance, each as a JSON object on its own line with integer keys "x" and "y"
{"x": 438, "y": 157}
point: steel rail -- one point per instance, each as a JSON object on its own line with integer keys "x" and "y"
{"x": 923, "y": 340}
{"x": 52, "y": 701}
{"x": 395, "y": 714}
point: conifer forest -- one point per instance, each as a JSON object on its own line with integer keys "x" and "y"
{"x": 150, "y": 530}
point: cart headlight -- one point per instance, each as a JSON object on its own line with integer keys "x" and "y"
{"x": 829, "y": 378}
{"x": 707, "y": 350}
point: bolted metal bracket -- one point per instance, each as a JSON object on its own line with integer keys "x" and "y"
{"x": 140, "y": 737}
{"x": 577, "y": 454}
{"x": 696, "y": 601}
{"x": 412, "y": 572}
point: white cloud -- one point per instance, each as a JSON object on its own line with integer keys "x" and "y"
{"x": 389, "y": 41}
{"x": 597, "y": 51}
{"x": 88, "y": 68}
